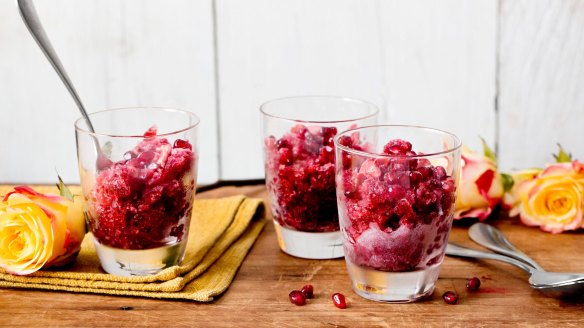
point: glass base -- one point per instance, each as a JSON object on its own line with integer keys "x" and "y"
{"x": 139, "y": 262}
{"x": 392, "y": 287}
{"x": 310, "y": 245}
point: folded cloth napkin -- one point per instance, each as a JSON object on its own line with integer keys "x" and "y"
{"x": 221, "y": 234}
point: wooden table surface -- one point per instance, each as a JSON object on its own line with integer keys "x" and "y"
{"x": 259, "y": 295}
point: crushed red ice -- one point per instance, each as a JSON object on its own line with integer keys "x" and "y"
{"x": 300, "y": 174}
{"x": 141, "y": 202}
{"x": 398, "y": 209}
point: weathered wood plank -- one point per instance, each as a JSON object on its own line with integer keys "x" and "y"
{"x": 258, "y": 296}
{"x": 118, "y": 54}
{"x": 423, "y": 62}
{"x": 272, "y": 49}
{"x": 541, "y": 80}
{"x": 439, "y": 65}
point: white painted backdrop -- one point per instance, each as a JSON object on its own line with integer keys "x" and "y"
{"x": 511, "y": 71}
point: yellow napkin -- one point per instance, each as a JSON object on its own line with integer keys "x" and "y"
{"x": 221, "y": 234}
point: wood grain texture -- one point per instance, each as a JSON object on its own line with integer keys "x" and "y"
{"x": 541, "y": 80}
{"x": 118, "y": 54}
{"x": 259, "y": 295}
{"x": 422, "y": 62}
{"x": 271, "y": 49}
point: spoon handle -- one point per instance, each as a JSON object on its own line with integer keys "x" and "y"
{"x": 32, "y": 22}
{"x": 461, "y": 251}
{"x": 492, "y": 238}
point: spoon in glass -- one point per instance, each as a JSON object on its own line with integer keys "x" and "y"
{"x": 32, "y": 22}
{"x": 554, "y": 284}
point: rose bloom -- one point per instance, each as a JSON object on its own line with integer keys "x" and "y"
{"x": 551, "y": 198}
{"x": 38, "y": 230}
{"x": 481, "y": 186}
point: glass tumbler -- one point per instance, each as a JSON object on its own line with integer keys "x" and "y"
{"x": 138, "y": 176}
{"x": 299, "y": 159}
{"x": 396, "y": 190}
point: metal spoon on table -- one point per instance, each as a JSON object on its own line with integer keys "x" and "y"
{"x": 555, "y": 284}
{"x": 32, "y": 22}
{"x": 492, "y": 238}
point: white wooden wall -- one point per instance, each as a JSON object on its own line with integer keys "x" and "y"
{"x": 511, "y": 71}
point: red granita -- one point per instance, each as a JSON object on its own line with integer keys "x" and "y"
{"x": 398, "y": 209}
{"x": 300, "y": 178}
{"x": 143, "y": 201}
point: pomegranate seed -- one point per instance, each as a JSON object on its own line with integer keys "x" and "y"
{"x": 283, "y": 143}
{"x": 397, "y": 147}
{"x": 180, "y": 143}
{"x": 440, "y": 173}
{"x": 285, "y": 156}
{"x": 448, "y": 186}
{"x": 308, "y": 291}
{"x": 151, "y": 132}
{"x": 339, "y": 300}
{"x": 426, "y": 172}
{"x": 347, "y": 160}
{"x": 415, "y": 177}
{"x": 473, "y": 283}
{"x": 297, "y": 298}
{"x": 328, "y": 133}
{"x": 346, "y": 141}
{"x": 450, "y": 297}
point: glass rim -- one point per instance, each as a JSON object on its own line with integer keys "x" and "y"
{"x": 264, "y": 111}
{"x": 457, "y": 145}
{"x": 164, "y": 109}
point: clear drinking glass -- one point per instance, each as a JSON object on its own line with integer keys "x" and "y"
{"x": 138, "y": 176}
{"x": 396, "y": 190}
{"x": 300, "y": 169}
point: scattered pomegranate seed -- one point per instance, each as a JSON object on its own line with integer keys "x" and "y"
{"x": 308, "y": 291}
{"x": 339, "y": 300}
{"x": 450, "y": 297}
{"x": 473, "y": 283}
{"x": 297, "y": 298}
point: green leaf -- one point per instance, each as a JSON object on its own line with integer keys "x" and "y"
{"x": 63, "y": 189}
{"x": 562, "y": 156}
{"x": 508, "y": 181}
{"x": 489, "y": 153}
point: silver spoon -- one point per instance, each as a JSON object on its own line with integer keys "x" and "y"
{"x": 555, "y": 284}
{"x": 32, "y": 22}
{"x": 492, "y": 238}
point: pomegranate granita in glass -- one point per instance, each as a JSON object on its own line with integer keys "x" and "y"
{"x": 139, "y": 186}
{"x": 396, "y": 190}
{"x": 299, "y": 158}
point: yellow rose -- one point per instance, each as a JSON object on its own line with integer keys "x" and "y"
{"x": 481, "y": 186}
{"x": 38, "y": 230}
{"x": 521, "y": 181}
{"x": 551, "y": 199}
